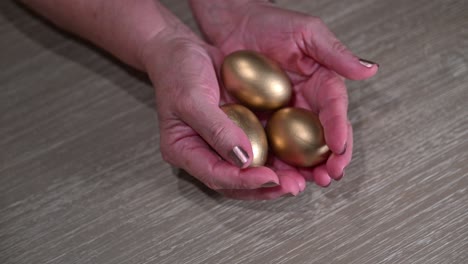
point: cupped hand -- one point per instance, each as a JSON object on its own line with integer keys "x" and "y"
{"x": 315, "y": 60}
{"x": 195, "y": 134}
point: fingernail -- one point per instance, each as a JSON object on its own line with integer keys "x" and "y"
{"x": 270, "y": 184}
{"x": 340, "y": 177}
{"x": 240, "y": 156}
{"x": 344, "y": 149}
{"x": 301, "y": 185}
{"x": 367, "y": 63}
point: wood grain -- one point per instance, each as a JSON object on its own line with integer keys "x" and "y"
{"x": 82, "y": 179}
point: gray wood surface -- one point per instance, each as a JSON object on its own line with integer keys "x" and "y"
{"x": 82, "y": 179}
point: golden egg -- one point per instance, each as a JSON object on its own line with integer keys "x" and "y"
{"x": 255, "y": 80}
{"x": 296, "y": 136}
{"x": 249, "y": 123}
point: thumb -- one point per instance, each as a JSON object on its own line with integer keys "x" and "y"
{"x": 220, "y": 132}
{"x": 323, "y": 46}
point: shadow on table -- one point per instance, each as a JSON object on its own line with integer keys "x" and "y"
{"x": 312, "y": 199}
{"x": 312, "y": 206}
{"x": 280, "y": 219}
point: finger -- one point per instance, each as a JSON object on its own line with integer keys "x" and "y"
{"x": 284, "y": 169}
{"x": 220, "y": 132}
{"x": 307, "y": 174}
{"x": 321, "y": 176}
{"x": 318, "y": 174}
{"x": 288, "y": 180}
{"x": 292, "y": 181}
{"x": 323, "y": 46}
{"x": 198, "y": 159}
{"x": 330, "y": 99}
{"x": 336, "y": 164}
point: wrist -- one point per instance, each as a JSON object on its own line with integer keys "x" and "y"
{"x": 125, "y": 28}
{"x": 165, "y": 46}
{"x": 170, "y": 29}
{"x": 218, "y": 18}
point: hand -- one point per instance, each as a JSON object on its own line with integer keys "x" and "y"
{"x": 312, "y": 56}
{"x": 195, "y": 134}
{"x": 194, "y": 131}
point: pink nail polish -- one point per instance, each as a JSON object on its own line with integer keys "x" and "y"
{"x": 270, "y": 184}
{"x": 367, "y": 63}
{"x": 240, "y": 156}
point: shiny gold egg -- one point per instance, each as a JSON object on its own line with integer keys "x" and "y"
{"x": 255, "y": 80}
{"x": 296, "y": 136}
{"x": 249, "y": 123}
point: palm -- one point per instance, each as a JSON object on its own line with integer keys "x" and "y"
{"x": 280, "y": 36}
{"x": 188, "y": 98}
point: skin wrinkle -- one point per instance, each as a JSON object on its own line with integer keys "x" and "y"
{"x": 303, "y": 48}
{"x": 218, "y": 21}
{"x": 315, "y": 83}
{"x": 200, "y": 175}
{"x": 218, "y": 132}
{"x": 330, "y": 119}
{"x": 333, "y": 81}
{"x": 245, "y": 21}
{"x": 217, "y": 166}
{"x": 338, "y": 47}
{"x": 174, "y": 139}
{"x": 308, "y": 47}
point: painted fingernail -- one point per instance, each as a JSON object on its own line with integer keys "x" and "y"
{"x": 367, "y": 63}
{"x": 240, "y": 157}
{"x": 344, "y": 149}
{"x": 270, "y": 184}
{"x": 340, "y": 177}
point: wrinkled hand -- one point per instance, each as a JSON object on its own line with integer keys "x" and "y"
{"x": 316, "y": 62}
{"x": 195, "y": 134}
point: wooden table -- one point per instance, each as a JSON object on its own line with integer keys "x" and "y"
{"x": 82, "y": 179}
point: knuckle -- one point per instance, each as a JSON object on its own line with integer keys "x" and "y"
{"x": 240, "y": 182}
{"x": 317, "y": 21}
{"x": 331, "y": 119}
{"x": 306, "y": 30}
{"x": 218, "y": 134}
{"x": 338, "y": 46}
{"x": 335, "y": 83}
{"x": 189, "y": 105}
{"x": 171, "y": 150}
{"x": 325, "y": 58}
{"x": 209, "y": 178}
{"x": 242, "y": 185}
{"x": 337, "y": 104}
{"x": 210, "y": 182}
